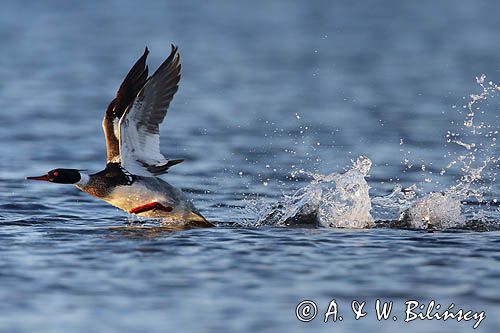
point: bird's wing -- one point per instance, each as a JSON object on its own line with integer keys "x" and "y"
{"x": 130, "y": 87}
{"x": 140, "y": 124}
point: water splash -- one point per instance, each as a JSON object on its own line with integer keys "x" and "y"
{"x": 390, "y": 207}
{"x": 334, "y": 200}
{"x": 479, "y": 141}
{"x": 348, "y": 205}
{"x": 342, "y": 200}
{"x": 433, "y": 211}
{"x": 477, "y": 163}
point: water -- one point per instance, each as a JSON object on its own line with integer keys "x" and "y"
{"x": 277, "y": 104}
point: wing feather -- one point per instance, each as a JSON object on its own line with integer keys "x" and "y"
{"x": 140, "y": 124}
{"x": 130, "y": 87}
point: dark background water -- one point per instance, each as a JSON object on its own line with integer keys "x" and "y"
{"x": 267, "y": 88}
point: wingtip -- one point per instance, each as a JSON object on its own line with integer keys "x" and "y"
{"x": 174, "y": 162}
{"x": 175, "y": 48}
{"x": 146, "y": 50}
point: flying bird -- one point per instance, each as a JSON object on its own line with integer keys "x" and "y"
{"x": 132, "y": 130}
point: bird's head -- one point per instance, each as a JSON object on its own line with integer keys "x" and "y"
{"x": 60, "y": 176}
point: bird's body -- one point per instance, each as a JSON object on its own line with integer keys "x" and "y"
{"x": 128, "y": 192}
{"x": 131, "y": 127}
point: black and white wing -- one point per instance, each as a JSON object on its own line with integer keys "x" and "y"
{"x": 140, "y": 124}
{"x": 130, "y": 87}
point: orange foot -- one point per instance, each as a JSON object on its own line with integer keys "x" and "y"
{"x": 150, "y": 206}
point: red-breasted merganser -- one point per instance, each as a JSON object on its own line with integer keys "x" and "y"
{"x": 131, "y": 127}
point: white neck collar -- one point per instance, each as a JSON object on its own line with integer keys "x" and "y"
{"x": 83, "y": 180}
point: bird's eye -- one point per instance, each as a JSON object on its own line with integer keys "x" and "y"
{"x": 56, "y": 174}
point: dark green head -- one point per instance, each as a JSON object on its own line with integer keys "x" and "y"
{"x": 60, "y": 176}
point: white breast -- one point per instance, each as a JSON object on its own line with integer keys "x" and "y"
{"x": 128, "y": 197}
